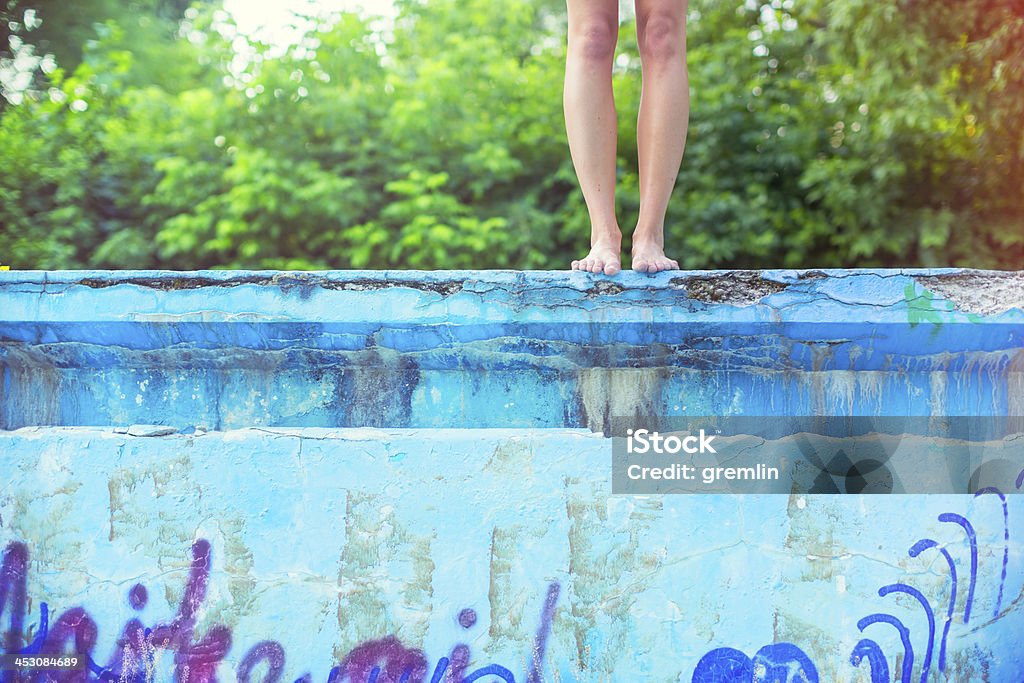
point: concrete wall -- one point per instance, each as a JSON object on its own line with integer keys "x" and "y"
{"x": 355, "y": 475}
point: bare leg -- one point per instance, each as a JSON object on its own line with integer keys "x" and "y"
{"x": 590, "y": 123}
{"x": 661, "y": 126}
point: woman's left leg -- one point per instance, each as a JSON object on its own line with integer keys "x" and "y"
{"x": 662, "y": 123}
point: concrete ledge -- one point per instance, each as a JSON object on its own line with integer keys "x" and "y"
{"x": 223, "y": 349}
{"x": 879, "y": 295}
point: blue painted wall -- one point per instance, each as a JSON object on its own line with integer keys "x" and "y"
{"x": 354, "y": 514}
{"x": 226, "y": 350}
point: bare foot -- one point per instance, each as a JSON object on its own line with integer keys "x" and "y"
{"x": 603, "y": 258}
{"x": 649, "y": 257}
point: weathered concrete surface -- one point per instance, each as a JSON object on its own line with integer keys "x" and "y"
{"x": 223, "y": 350}
{"x": 287, "y": 546}
{"x": 325, "y": 540}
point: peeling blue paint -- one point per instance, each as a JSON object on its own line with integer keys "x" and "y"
{"x": 400, "y": 481}
{"x": 471, "y": 349}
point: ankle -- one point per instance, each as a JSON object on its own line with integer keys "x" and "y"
{"x": 606, "y": 238}
{"x": 643, "y": 237}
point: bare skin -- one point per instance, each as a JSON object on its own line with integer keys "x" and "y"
{"x": 591, "y": 124}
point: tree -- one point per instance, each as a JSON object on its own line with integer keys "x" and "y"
{"x": 54, "y": 33}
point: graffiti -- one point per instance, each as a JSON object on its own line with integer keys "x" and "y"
{"x": 1006, "y": 543}
{"x": 540, "y": 642}
{"x": 778, "y": 663}
{"x": 870, "y": 650}
{"x": 267, "y": 651}
{"x": 139, "y": 648}
{"x": 194, "y": 662}
{"x": 196, "y": 657}
{"x": 785, "y": 662}
{"x": 381, "y": 661}
{"x": 972, "y": 537}
{"x": 908, "y": 647}
{"x": 917, "y": 549}
{"x": 917, "y": 595}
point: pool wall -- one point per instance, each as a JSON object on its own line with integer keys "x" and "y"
{"x": 349, "y": 475}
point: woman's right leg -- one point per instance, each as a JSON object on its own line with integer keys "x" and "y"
{"x": 591, "y": 126}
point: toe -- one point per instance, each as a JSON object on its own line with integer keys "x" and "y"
{"x": 611, "y": 268}
{"x": 575, "y": 265}
{"x": 640, "y": 266}
{"x": 596, "y": 266}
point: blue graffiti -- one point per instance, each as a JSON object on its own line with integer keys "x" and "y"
{"x": 917, "y": 549}
{"x": 954, "y": 518}
{"x": 729, "y": 664}
{"x": 1006, "y": 544}
{"x": 777, "y": 663}
{"x": 36, "y": 646}
{"x": 917, "y": 595}
{"x": 722, "y": 665}
{"x": 491, "y": 670}
{"x": 879, "y": 666}
{"x": 908, "y": 648}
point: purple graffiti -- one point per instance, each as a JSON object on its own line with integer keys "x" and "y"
{"x": 134, "y": 657}
{"x": 467, "y": 618}
{"x": 1006, "y": 544}
{"x": 385, "y": 660}
{"x": 267, "y": 651}
{"x": 382, "y": 661}
{"x": 540, "y": 641}
{"x": 13, "y": 598}
{"x": 74, "y": 628}
{"x": 195, "y": 662}
{"x": 138, "y": 596}
{"x": 459, "y": 664}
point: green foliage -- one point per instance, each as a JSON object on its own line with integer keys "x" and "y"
{"x": 145, "y": 32}
{"x": 823, "y": 133}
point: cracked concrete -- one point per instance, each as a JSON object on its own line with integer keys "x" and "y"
{"x": 224, "y": 350}
{"x": 327, "y": 533}
{"x": 737, "y": 288}
{"x": 978, "y": 292}
{"x": 325, "y": 539}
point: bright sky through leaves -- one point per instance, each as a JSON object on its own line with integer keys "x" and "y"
{"x": 273, "y": 21}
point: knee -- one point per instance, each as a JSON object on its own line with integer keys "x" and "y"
{"x": 660, "y": 37}
{"x": 594, "y": 40}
